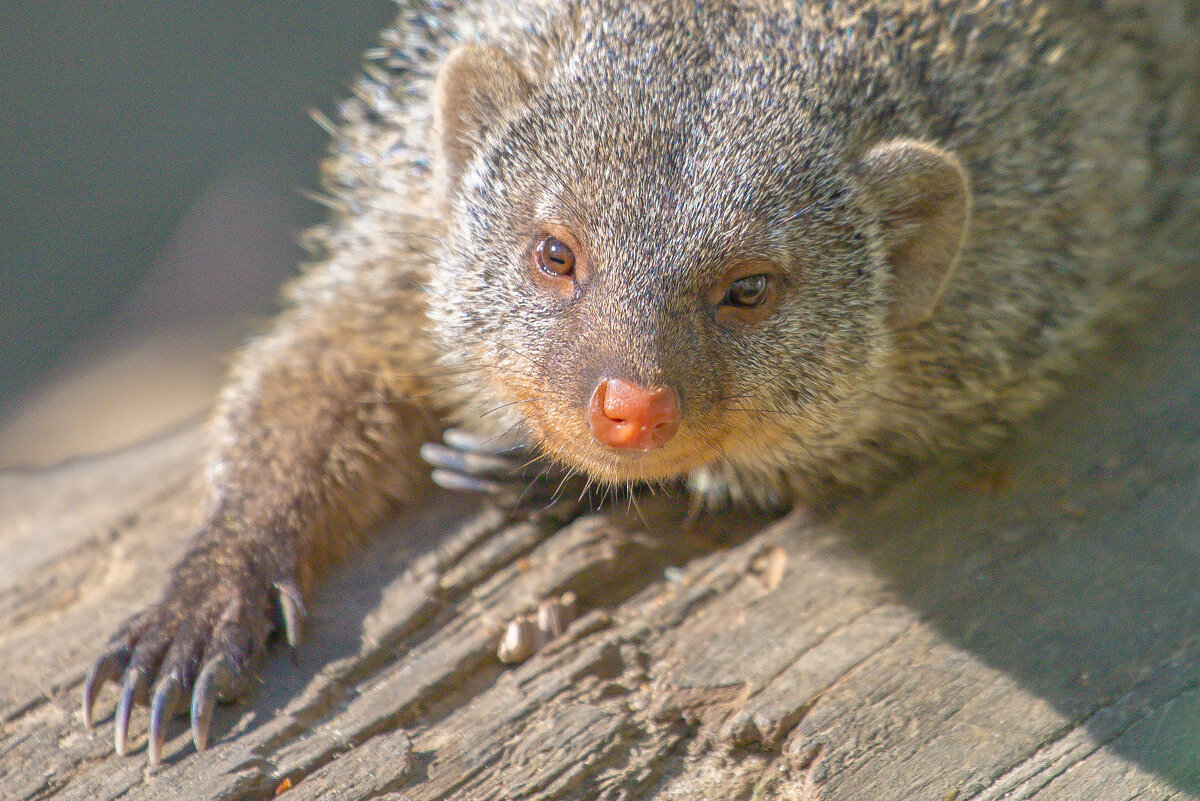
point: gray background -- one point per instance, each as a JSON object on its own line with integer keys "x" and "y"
{"x": 150, "y": 157}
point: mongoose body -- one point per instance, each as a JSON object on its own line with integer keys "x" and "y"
{"x": 770, "y": 249}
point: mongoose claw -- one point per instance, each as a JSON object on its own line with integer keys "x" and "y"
{"x": 105, "y": 669}
{"x": 468, "y": 464}
{"x": 196, "y": 643}
{"x": 462, "y": 440}
{"x": 506, "y": 470}
{"x": 218, "y": 678}
{"x": 463, "y": 482}
{"x": 291, "y": 611}
{"x": 164, "y": 704}
{"x": 133, "y": 690}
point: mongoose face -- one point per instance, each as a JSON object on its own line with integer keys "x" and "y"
{"x": 671, "y": 233}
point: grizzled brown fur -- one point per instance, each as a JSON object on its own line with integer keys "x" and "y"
{"x": 1024, "y": 149}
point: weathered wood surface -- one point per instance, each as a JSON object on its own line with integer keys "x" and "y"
{"x": 1024, "y": 626}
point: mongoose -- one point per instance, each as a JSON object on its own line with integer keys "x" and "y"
{"x": 769, "y": 248}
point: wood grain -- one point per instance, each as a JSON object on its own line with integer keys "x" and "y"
{"x": 1026, "y": 625}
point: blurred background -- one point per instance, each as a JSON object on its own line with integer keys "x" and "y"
{"x": 152, "y": 162}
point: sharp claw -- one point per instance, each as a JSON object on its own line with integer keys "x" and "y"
{"x": 213, "y": 677}
{"x": 135, "y": 685}
{"x": 468, "y": 462}
{"x": 102, "y": 671}
{"x": 291, "y": 605}
{"x": 202, "y": 709}
{"x": 461, "y": 482}
{"x": 462, "y": 440}
{"x": 166, "y": 701}
{"x": 502, "y": 468}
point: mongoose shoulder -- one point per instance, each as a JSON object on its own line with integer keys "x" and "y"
{"x": 770, "y": 248}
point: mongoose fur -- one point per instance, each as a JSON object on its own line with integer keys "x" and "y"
{"x": 840, "y": 236}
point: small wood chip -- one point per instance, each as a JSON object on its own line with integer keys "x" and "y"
{"x": 529, "y": 633}
{"x": 770, "y": 566}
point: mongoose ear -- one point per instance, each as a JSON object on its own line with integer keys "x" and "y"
{"x": 474, "y": 89}
{"x": 922, "y": 194}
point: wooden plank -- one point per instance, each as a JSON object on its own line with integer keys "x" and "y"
{"x": 1022, "y": 626}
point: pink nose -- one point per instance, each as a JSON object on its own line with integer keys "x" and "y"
{"x": 627, "y": 416}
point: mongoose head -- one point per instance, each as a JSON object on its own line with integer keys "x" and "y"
{"x": 661, "y": 255}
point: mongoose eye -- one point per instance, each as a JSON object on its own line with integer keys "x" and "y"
{"x": 748, "y": 292}
{"x": 553, "y": 257}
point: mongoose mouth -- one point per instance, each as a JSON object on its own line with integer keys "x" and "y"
{"x": 632, "y": 466}
{"x": 674, "y": 459}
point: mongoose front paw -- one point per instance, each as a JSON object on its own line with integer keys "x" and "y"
{"x": 199, "y": 639}
{"x": 504, "y": 469}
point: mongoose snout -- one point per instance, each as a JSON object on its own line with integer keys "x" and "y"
{"x": 625, "y": 415}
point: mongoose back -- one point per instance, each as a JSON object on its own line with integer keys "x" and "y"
{"x": 769, "y": 248}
